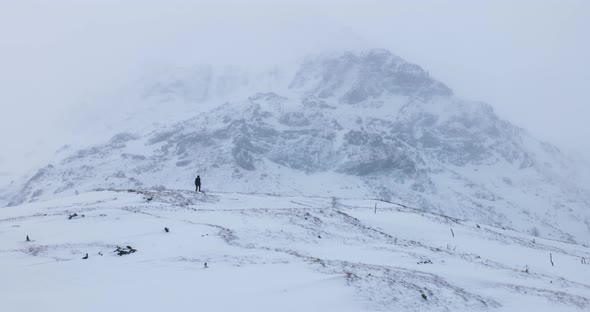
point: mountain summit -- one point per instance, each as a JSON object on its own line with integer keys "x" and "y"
{"x": 357, "y": 77}
{"x": 350, "y": 124}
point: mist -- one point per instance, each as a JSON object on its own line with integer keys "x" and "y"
{"x": 59, "y": 59}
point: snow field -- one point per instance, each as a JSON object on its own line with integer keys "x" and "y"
{"x": 274, "y": 253}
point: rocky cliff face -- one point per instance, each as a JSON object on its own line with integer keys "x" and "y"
{"x": 346, "y": 125}
{"x": 354, "y": 78}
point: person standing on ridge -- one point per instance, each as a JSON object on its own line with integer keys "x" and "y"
{"x": 198, "y": 184}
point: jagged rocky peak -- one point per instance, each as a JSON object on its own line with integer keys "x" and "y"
{"x": 354, "y": 77}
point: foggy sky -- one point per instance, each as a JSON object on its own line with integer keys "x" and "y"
{"x": 528, "y": 59}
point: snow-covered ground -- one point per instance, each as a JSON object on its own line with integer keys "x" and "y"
{"x": 274, "y": 253}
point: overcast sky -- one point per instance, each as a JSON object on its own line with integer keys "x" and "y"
{"x": 529, "y": 59}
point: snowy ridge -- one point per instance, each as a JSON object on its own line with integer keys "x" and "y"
{"x": 356, "y": 77}
{"x": 269, "y": 253}
{"x": 364, "y": 124}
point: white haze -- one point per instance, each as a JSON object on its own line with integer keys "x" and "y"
{"x": 60, "y": 59}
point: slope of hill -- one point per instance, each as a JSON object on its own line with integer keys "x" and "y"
{"x": 347, "y": 124}
{"x": 256, "y": 252}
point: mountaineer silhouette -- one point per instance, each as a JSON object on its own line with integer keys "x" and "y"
{"x": 198, "y": 184}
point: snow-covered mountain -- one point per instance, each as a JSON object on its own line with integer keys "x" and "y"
{"x": 350, "y": 124}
